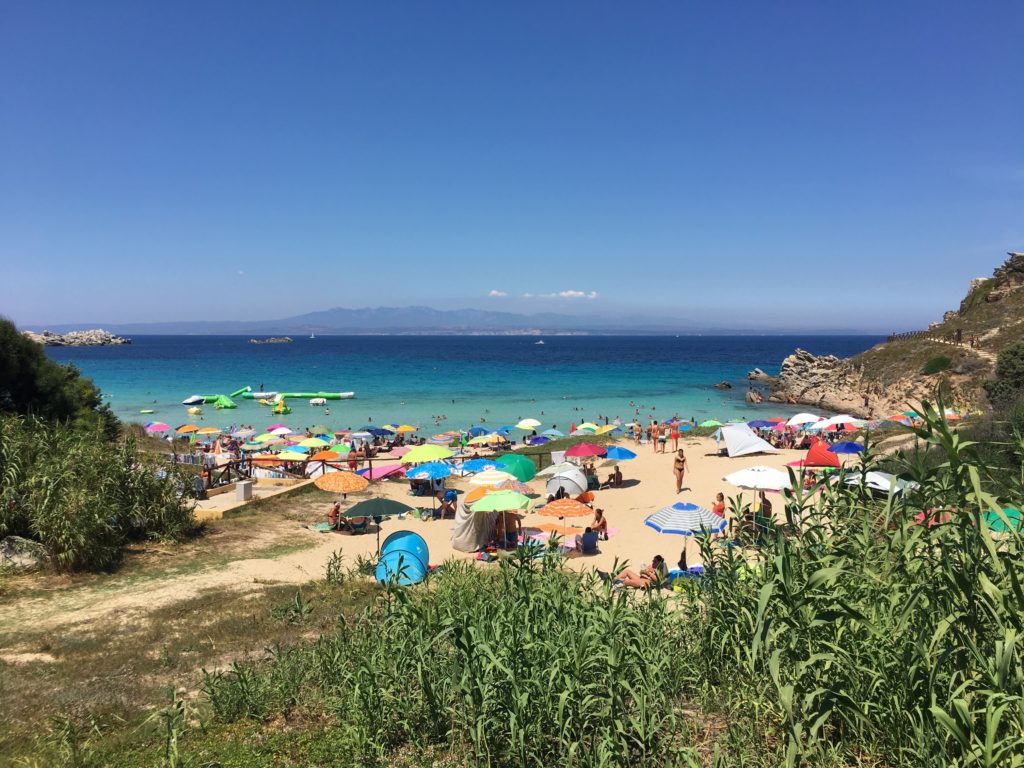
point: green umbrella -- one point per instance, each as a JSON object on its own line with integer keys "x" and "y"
{"x": 320, "y": 429}
{"x": 339, "y": 448}
{"x": 996, "y": 523}
{"x": 710, "y": 423}
{"x": 501, "y": 501}
{"x": 516, "y": 465}
{"x": 377, "y": 508}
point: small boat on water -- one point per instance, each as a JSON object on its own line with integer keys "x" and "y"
{"x": 312, "y": 335}
{"x": 195, "y": 410}
{"x": 318, "y": 401}
{"x": 538, "y": 342}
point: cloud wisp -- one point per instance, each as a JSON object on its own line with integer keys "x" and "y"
{"x": 589, "y": 295}
{"x": 495, "y": 294}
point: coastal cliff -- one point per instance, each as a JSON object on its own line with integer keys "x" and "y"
{"x": 956, "y": 354}
{"x": 94, "y": 338}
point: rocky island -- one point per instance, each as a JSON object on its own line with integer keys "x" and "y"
{"x": 955, "y": 355}
{"x": 94, "y": 338}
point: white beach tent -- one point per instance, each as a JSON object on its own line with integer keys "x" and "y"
{"x": 803, "y": 418}
{"x": 740, "y": 440}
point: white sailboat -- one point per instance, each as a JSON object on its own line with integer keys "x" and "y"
{"x": 312, "y": 335}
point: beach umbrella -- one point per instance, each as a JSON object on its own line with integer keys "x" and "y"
{"x": 361, "y": 435}
{"x": 298, "y": 448}
{"x": 265, "y": 460}
{"x": 478, "y": 465}
{"x": 374, "y": 508}
{"x": 492, "y": 439}
{"x": 490, "y": 477}
{"x": 846, "y": 448}
{"x": 996, "y": 523}
{"x": 424, "y": 453}
{"x": 291, "y": 456}
{"x": 618, "y": 453}
{"x": 538, "y": 440}
{"x": 528, "y": 424}
{"x": 586, "y": 449}
{"x": 341, "y": 482}
{"x": 208, "y": 431}
{"x": 157, "y": 426}
{"x": 607, "y": 428}
{"x": 379, "y": 473}
{"x": 501, "y": 501}
{"x": 565, "y": 508}
{"x": 686, "y": 519}
{"x": 313, "y": 442}
{"x": 518, "y": 466}
{"x": 340, "y": 448}
{"x": 320, "y": 429}
{"x": 572, "y": 481}
{"x": 552, "y": 433}
{"x": 324, "y": 456}
{"x": 759, "y": 479}
{"x": 282, "y": 430}
{"x": 478, "y": 493}
{"x": 378, "y": 431}
{"x": 243, "y": 433}
{"x": 186, "y": 429}
{"x": 272, "y": 427}
{"x": 405, "y": 428}
{"x": 588, "y": 425}
{"x": 557, "y": 469}
{"x": 710, "y": 423}
{"x": 760, "y": 424}
{"x": 475, "y": 431}
{"x": 252, "y": 447}
{"x": 435, "y": 470}
{"x": 802, "y": 418}
{"x": 879, "y": 481}
{"x": 517, "y": 486}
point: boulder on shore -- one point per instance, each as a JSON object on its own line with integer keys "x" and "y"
{"x": 93, "y": 338}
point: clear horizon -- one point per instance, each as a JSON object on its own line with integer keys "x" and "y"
{"x": 799, "y": 169}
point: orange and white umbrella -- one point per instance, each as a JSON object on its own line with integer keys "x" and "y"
{"x": 342, "y": 482}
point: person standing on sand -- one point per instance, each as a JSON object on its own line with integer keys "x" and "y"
{"x": 655, "y": 432}
{"x": 679, "y": 468}
{"x": 675, "y": 435}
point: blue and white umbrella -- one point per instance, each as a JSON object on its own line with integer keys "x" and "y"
{"x": 619, "y": 454}
{"x": 435, "y": 470}
{"x": 686, "y": 519}
{"x": 478, "y": 465}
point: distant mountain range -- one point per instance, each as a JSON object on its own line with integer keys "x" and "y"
{"x": 416, "y": 321}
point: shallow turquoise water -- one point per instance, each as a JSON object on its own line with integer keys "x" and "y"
{"x": 446, "y": 382}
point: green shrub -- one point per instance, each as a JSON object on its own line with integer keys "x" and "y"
{"x": 935, "y": 365}
{"x": 82, "y": 496}
{"x": 1008, "y": 383}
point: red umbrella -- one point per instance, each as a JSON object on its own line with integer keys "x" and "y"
{"x": 933, "y": 517}
{"x": 586, "y": 449}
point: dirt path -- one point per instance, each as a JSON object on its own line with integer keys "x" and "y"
{"x": 124, "y": 599}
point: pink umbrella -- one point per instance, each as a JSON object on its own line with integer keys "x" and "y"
{"x": 399, "y": 451}
{"x": 272, "y": 427}
{"x": 157, "y": 426}
{"x": 586, "y": 449}
{"x": 378, "y": 473}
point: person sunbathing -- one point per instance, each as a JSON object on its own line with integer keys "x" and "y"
{"x": 615, "y": 478}
{"x": 334, "y": 515}
{"x": 650, "y": 576}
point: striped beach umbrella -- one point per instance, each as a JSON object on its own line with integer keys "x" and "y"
{"x": 686, "y": 519}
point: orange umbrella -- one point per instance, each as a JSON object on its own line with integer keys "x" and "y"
{"x": 566, "y": 508}
{"x": 586, "y": 497}
{"x": 265, "y": 460}
{"x": 342, "y": 482}
{"x": 186, "y": 428}
{"x": 324, "y": 456}
{"x": 564, "y": 530}
{"x": 478, "y": 493}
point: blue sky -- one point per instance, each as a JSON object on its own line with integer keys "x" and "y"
{"x": 814, "y": 165}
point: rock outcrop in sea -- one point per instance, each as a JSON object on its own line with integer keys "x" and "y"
{"x": 94, "y": 338}
{"x": 957, "y": 354}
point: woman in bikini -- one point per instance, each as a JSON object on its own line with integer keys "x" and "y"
{"x": 679, "y": 467}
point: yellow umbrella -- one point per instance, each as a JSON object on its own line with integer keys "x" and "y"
{"x": 313, "y": 442}
{"x": 587, "y": 425}
{"x": 186, "y": 428}
{"x": 342, "y": 482}
{"x": 606, "y": 429}
{"x": 405, "y": 428}
{"x": 292, "y": 456}
{"x": 528, "y": 424}
{"x": 266, "y": 437}
{"x": 491, "y": 439}
{"x": 208, "y": 431}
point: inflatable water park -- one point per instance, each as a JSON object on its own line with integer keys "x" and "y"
{"x": 277, "y": 400}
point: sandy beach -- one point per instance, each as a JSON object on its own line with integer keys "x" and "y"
{"x": 649, "y": 485}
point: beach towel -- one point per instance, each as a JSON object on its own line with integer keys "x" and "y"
{"x": 322, "y": 527}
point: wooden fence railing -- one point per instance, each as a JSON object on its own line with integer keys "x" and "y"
{"x": 946, "y": 338}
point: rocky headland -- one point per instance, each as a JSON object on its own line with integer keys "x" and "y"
{"x": 955, "y": 355}
{"x": 94, "y": 338}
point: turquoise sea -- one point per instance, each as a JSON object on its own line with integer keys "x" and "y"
{"x": 446, "y": 382}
